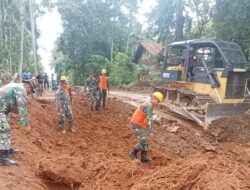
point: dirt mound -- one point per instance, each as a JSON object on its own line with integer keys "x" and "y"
{"x": 89, "y": 172}
{"x": 197, "y": 172}
{"x": 235, "y": 129}
{"x": 64, "y": 169}
{"x": 142, "y": 86}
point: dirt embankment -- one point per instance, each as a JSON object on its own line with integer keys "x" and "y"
{"x": 141, "y": 86}
{"x": 96, "y": 156}
{"x": 235, "y": 129}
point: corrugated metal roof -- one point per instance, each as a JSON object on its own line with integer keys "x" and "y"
{"x": 152, "y": 47}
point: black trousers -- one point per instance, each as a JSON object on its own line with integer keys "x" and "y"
{"x": 46, "y": 85}
{"x": 190, "y": 71}
{"x": 103, "y": 97}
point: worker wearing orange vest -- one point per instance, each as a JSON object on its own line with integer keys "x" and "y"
{"x": 68, "y": 92}
{"x": 104, "y": 87}
{"x": 142, "y": 125}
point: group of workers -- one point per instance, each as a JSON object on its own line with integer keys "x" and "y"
{"x": 97, "y": 93}
{"x": 97, "y": 90}
{"x": 13, "y": 97}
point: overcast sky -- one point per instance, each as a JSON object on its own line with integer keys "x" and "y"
{"x": 50, "y": 27}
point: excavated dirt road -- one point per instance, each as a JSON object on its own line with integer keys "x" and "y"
{"x": 96, "y": 155}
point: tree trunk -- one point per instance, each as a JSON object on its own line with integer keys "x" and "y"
{"x": 31, "y": 3}
{"x": 180, "y": 20}
{"x": 20, "y": 67}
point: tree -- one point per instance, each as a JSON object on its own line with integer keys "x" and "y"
{"x": 231, "y": 21}
{"x": 95, "y": 32}
{"x": 16, "y": 36}
{"x": 123, "y": 71}
{"x": 175, "y": 20}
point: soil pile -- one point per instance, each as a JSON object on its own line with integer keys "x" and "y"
{"x": 235, "y": 129}
{"x": 198, "y": 172}
{"x": 142, "y": 86}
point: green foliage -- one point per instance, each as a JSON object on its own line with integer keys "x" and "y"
{"x": 174, "y": 20}
{"x": 123, "y": 71}
{"x": 231, "y": 21}
{"x": 10, "y": 35}
{"x": 100, "y": 34}
{"x": 94, "y": 32}
{"x": 96, "y": 63}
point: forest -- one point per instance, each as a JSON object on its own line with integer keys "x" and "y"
{"x": 105, "y": 33}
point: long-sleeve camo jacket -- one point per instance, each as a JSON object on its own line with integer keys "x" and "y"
{"x": 92, "y": 84}
{"x": 148, "y": 109}
{"x": 13, "y": 96}
{"x": 62, "y": 101}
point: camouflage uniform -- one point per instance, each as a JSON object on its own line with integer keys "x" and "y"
{"x": 94, "y": 92}
{"x": 141, "y": 133}
{"x": 64, "y": 108}
{"x": 12, "y": 96}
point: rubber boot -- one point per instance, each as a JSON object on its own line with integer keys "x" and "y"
{"x": 144, "y": 156}
{"x": 97, "y": 107}
{"x": 5, "y": 160}
{"x": 133, "y": 154}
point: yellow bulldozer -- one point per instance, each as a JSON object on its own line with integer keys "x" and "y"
{"x": 206, "y": 79}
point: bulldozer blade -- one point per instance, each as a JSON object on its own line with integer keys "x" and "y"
{"x": 216, "y": 111}
{"x": 186, "y": 113}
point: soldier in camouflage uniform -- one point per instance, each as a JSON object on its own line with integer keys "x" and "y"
{"x": 142, "y": 125}
{"x": 94, "y": 91}
{"x": 12, "y": 96}
{"x": 63, "y": 106}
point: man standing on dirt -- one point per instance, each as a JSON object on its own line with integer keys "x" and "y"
{"x": 46, "y": 81}
{"x": 12, "y": 97}
{"x": 53, "y": 83}
{"x": 142, "y": 125}
{"x": 63, "y": 106}
{"x": 39, "y": 79}
{"x": 104, "y": 87}
{"x": 94, "y": 91}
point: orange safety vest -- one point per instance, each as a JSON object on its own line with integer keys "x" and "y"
{"x": 67, "y": 90}
{"x": 103, "y": 82}
{"x": 139, "y": 118}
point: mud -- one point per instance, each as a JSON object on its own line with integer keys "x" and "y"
{"x": 235, "y": 129}
{"x": 96, "y": 155}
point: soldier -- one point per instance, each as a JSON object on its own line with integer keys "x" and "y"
{"x": 12, "y": 96}
{"x": 94, "y": 91}
{"x": 63, "y": 106}
{"x": 142, "y": 125}
{"x": 39, "y": 79}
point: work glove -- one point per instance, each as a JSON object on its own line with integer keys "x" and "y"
{"x": 157, "y": 119}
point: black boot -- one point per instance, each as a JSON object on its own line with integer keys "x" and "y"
{"x": 97, "y": 107}
{"x": 5, "y": 160}
{"x": 12, "y": 151}
{"x": 144, "y": 156}
{"x": 133, "y": 154}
